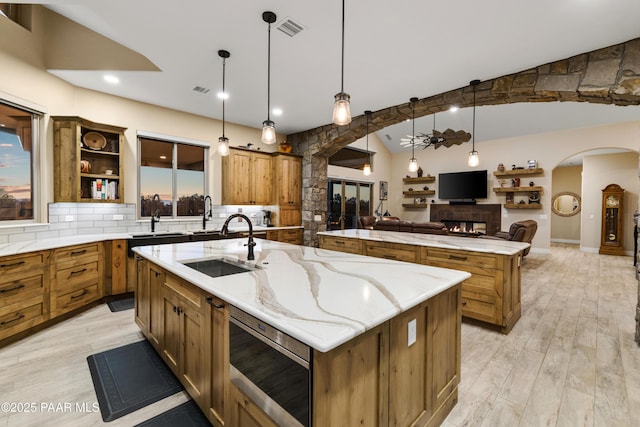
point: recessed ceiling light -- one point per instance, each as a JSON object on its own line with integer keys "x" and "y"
{"x": 163, "y": 157}
{"x": 277, "y": 111}
{"x": 222, "y": 95}
{"x": 453, "y": 109}
{"x": 111, "y": 79}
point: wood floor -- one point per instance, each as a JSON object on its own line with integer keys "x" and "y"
{"x": 570, "y": 361}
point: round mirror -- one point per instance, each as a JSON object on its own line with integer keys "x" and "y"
{"x": 565, "y": 203}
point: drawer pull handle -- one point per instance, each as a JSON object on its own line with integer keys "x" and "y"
{"x": 338, "y": 242}
{"x": 458, "y": 258}
{"x": 80, "y": 295}
{"x": 464, "y": 303}
{"x": 78, "y": 271}
{"x": 213, "y": 304}
{"x": 15, "y": 319}
{"x": 15, "y": 264}
{"x": 74, "y": 253}
{"x": 386, "y": 256}
{"x": 15, "y": 288}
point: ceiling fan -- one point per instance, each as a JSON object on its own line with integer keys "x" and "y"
{"x": 438, "y": 139}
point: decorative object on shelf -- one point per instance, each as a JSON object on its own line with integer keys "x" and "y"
{"x": 515, "y": 182}
{"x": 522, "y": 202}
{"x": 474, "y": 160}
{"x": 420, "y": 172}
{"x": 500, "y": 167}
{"x": 413, "y": 163}
{"x": 366, "y": 170}
{"x": 85, "y": 166}
{"x": 108, "y": 172}
{"x": 285, "y": 147}
{"x": 513, "y": 167}
{"x": 425, "y": 188}
{"x": 534, "y": 197}
{"x": 94, "y": 140}
{"x": 223, "y": 141}
{"x": 341, "y": 108}
{"x": 502, "y": 182}
{"x": 268, "y": 126}
{"x": 410, "y": 188}
{"x": 532, "y": 164}
{"x": 509, "y": 198}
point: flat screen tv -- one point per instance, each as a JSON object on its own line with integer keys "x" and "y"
{"x": 466, "y": 186}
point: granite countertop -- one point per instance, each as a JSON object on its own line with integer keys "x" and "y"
{"x": 495, "y": 246}
{"x": 320, "y": 297}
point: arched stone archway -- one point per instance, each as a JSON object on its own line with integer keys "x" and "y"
{"x": 606, "y": 76}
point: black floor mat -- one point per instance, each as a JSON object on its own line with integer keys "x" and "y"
{"x": 121, "y": 304}
{"x": 186, "y": 415}
{"x": 129, "y": 378}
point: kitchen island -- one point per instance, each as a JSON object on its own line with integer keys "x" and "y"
{"x": 384, "y": 336}
{"x": 492, "y": 294}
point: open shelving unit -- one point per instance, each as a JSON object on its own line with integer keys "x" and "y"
{"x": 517, "y": 173}
{"x": 413, "y": 194}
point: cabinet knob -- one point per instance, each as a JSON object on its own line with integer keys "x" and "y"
{"x": 213, "y": 304}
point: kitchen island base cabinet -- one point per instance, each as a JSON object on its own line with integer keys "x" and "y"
{"x": 217, "y": 354}
{"x": 245, "y": 413}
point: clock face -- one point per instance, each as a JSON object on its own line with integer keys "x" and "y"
{"x": 612, "y": 202}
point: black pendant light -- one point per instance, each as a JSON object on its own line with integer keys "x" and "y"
{"x": 223, "y": 141}
{"x": 268, "y": 127}
{"x": 474, "y": 160}
{"x": 341, "y": 108}
{"x": 367, "y": 166}
{"x": 413, "y": 163}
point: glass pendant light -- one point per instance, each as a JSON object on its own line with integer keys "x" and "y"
{"x": 367, "y": 166}
{"x": 269, "y": 127}
{"x": 413, "y": 163}
{"x": 474, "y": 160}
{"x": 223, "y": 141}
{"x": 341, "y": 108}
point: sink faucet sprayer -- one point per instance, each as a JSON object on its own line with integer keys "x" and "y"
{"x": 225, "y": 230}
{"x": 206, "y": 216}
{"x": 155, "y": 215}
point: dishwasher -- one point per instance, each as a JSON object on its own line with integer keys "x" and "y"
{"x": 272, "y": 368}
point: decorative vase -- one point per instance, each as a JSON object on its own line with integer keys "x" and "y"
{"x": 500, "y": 167}
{"x": 85, "y": 166}
{"x": 284, "y": 147}
{"x": 419, "y": 172}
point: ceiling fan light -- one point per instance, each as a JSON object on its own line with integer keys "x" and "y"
{"x": 474, "y": 160}
{"x": 413, "y": 165}
{"x": 342, "y": 109}
{"x": 268, "y": 132}
{"x": 367, "y": 169}
{"x": 223, "y": 146}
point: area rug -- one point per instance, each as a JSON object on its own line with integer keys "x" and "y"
{"x": 186, "y": 415}
{"x": 129, "y": 378}
{"x": 121, "y": 304}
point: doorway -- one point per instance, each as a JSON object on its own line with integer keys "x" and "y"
{"x": 347, "y": 200}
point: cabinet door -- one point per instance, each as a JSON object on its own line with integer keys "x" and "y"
{"x": 219, "y": 359}
{"x": 261, "y": 179}
{"x": 236, "y": 178}
{"x": 192, "y": 361}
{"x": 290, "y": 216}
{"x": 171, "y": 329}
{"x": 142, "y": 297}
{"x": 289, "y": 180}
{"x": 156, "y": 307}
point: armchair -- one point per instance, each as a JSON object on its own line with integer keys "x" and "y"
{"x": 520, "y": 231}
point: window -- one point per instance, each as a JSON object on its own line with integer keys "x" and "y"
{"x": 16, "y": 163}
{"x": 176, "y": 172}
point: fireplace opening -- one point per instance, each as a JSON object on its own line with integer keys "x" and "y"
{"x": 466, "y": 228}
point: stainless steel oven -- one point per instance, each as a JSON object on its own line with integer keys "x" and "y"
{"x": 272, "y": 368}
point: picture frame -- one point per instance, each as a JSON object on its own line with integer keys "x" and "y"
{"x": 384, "y": 190}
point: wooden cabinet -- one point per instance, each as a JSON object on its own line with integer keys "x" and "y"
{"x": 395, "y": 251}
{"x": 415, "y": 193}
{"x": 184, "y": 334}
{"x": 289, "y": 216}
{"x": 88, "y": 163}
{"x": 24, "y": 292}
{"x": 342, "y": 244}
{"x": 287, "y": 172}
{"x": 288, "y": 235}
{"x": 245, "y": 413}
{"x": 513, "y": 185}
{"x": 217, "y": 345}
{"x": 247, "y": 178}
{"x": 148, "y": 301}
{"x": 77, "y": 274}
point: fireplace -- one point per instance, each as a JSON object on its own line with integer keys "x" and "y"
{"x": 487, "y": 217}
{"x": 466, "y": 228}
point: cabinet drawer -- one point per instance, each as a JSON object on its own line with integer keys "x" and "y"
{"x": 15, "y": 264}
{"x": 396, "y": 251}
{"x": 473, "y": 262}
{"x": 75, "y": 252}
{"x": 185, "y": 290}
{"x": 342, "y": 244}
{"x": 480, "y": 306}
{"x": 76, "y": 276}
{"x": 22, "y": 316}
{"x": 20, "y": 287}
{"x": 64, "y": 302}
{"x": 290, "y": 236}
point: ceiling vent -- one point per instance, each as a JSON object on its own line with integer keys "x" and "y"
{"x": 201, "y": 89}
{"x": 290, "y": 27}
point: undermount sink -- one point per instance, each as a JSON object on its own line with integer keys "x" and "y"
{"x": 158, "y": 235}
{"x": 218, "y": 267}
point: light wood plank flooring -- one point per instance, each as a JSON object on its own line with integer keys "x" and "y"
{"x": 570, "y": 361}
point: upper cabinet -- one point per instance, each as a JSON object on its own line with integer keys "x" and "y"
{"x": 88, "y": 163}
{"x": 246, "y": 178}
{"x": 287, "y": 170}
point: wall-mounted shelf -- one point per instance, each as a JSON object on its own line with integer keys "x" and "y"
{"x": 419, "y": 196}
{"x": 518, "y": 189}
{"x": 415, "y": 205}
{"x": 523, "y": 206}
{"x": 510, "y": 191}
{"x": 419, "y": 179}
{"x": 419, "y": 193}
{"x": 518, "y": 172}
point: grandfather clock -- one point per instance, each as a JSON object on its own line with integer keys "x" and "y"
{"x": 611, "y": 233}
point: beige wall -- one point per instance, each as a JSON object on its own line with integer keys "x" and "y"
{"x": 566, "y": 229}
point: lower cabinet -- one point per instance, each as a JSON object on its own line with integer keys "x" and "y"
{"x": 217, "y": 353}
{"x": 342, "y": 244}
{"x": 286, "y": 235}
{"x": 245, "y": 413}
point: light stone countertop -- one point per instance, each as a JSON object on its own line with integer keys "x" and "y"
{"x": 320, "y": 297}
{"x": 495, "y": 246}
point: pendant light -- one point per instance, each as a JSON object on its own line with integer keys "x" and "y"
{"x": 413, "y": 163}
{"x": 268, "y": 127}
{"x": 223, "y": 141}
{"x": 341, "y": 108}
{"x": 367, "y": 166}
{"x": 474, "y": 160}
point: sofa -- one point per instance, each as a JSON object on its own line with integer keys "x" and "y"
{"x": 396, "y": 224}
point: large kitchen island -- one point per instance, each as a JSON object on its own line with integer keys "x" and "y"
{"x": 379, "y": 340}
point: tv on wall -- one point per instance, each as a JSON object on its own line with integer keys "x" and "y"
{"x": 463, "y": 186}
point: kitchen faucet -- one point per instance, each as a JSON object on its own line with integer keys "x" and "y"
{"x": 155, "y": 216}
{"x": 204, "y": 213}
{"x": 225, "y": 230}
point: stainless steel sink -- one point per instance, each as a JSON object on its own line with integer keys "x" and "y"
{"x": 218, "y": 267}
